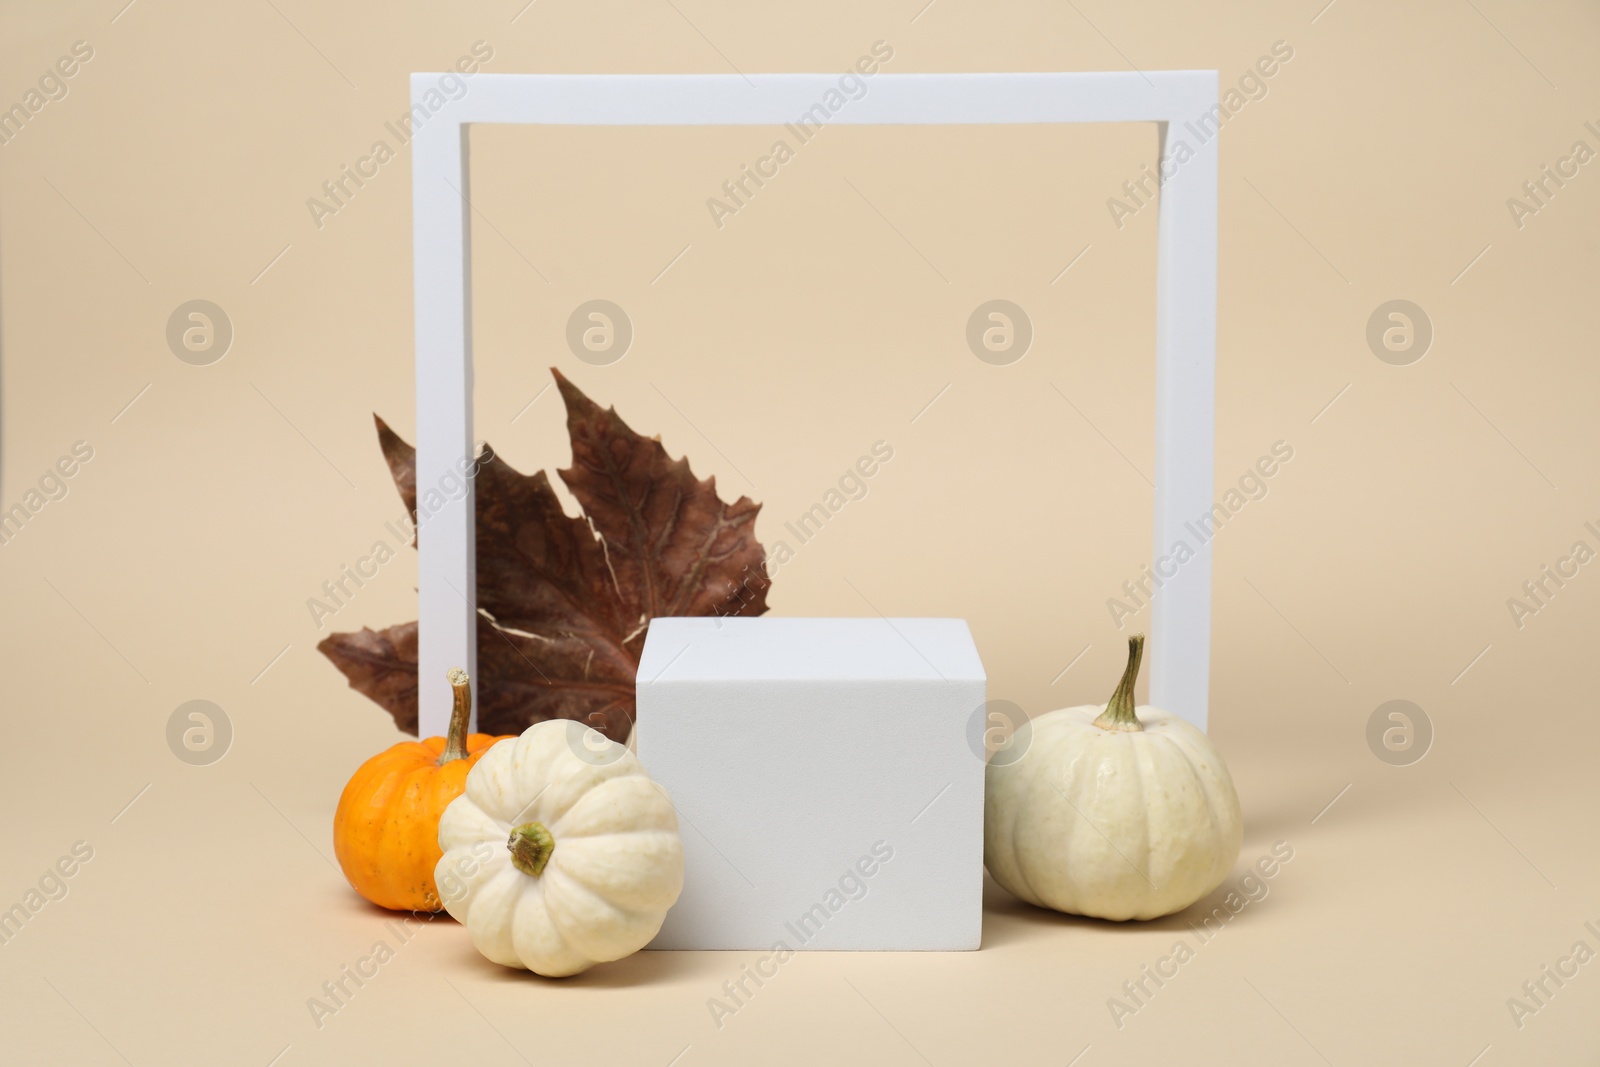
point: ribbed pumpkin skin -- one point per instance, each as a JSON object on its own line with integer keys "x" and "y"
{"x": 386, "y": 828}
{"x": 1109, "y": 824}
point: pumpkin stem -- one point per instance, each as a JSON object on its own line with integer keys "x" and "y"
{"x": 531, "y": 846}
{"x": 1119, "y": 714}
{"x": 455, "y": 742}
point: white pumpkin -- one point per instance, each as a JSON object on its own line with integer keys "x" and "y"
{"x": 561, "y": 853}
{"x": 1110, "y": 812}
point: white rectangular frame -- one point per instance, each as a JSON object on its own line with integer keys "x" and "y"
{"x": 1186, "y": 297}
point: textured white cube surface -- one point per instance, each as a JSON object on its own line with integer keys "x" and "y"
{"x": 829, "y": 791}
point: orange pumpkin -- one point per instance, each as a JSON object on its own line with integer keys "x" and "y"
{"x": 386, "y": 828}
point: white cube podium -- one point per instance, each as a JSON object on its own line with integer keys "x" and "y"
{"x": 828, "y": 793}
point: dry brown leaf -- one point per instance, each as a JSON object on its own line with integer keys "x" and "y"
{"x": 563, "y": 601}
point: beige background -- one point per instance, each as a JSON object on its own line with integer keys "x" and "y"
{"x": 823, "y": 317}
